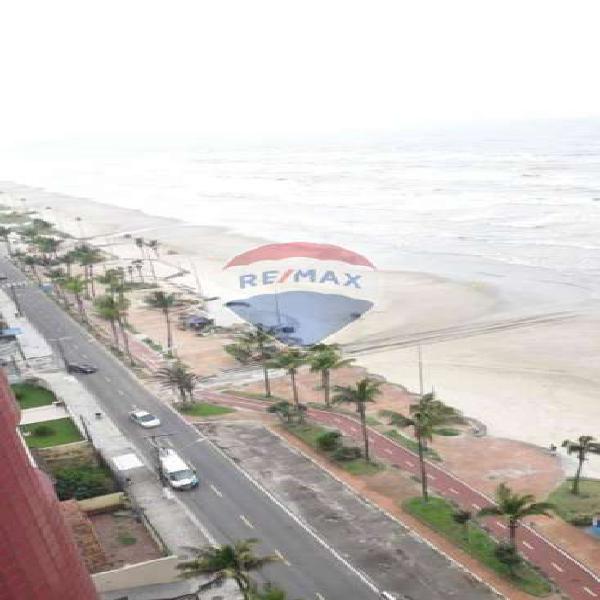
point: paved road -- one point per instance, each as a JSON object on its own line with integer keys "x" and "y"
{"x": 226, "y": 502}
{"x": 571, "y": 576}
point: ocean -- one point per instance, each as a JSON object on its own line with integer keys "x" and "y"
{"x": 483, "y": 204}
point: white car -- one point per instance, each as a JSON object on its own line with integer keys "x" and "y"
{"x": 144, "y": 418}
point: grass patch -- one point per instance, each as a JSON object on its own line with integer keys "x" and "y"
{"x": 309, "y": 434}
{"x": 447, "y": 431}
{"x": 63, "y": 432}
{"x": 412, "y": 445}
{"x": 203, "y": 409}
{"x": 373, "y": 422}
{"x": 31, "y": 396}
{"x": 438, "y": 514}
{"x": 577, "y": 510}
{"x": 126, "y": 539}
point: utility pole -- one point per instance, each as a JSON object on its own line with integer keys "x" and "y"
{"x": 420, "y": 370}
{"x": 61, "y": 349}
{"x": 13, "y": 292}
{"x": 157, "y": 447}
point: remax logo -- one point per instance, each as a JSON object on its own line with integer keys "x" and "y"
{"x": 301, "y": 292}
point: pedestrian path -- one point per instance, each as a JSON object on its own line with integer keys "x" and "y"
{"x": 570, "y": 575}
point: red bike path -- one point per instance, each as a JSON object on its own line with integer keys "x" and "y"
{"x": 570, "y": 575}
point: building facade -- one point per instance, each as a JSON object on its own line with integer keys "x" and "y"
{"x": 38, "y": 556}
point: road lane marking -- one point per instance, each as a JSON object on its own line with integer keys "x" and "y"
{"x": 243, "y": 518}
{"x": 501, "y": 525}
{"x": 453, "y": 490}
{"x": 432, "y": 477}
{"x": 409, "y": 463}
{"x": 558, "y": 568}
{"x": 337, "y": 420}
{"x": 120, "y": 392}
{"x": 476, "y": 506}
{"x": 216, "y": 491}
{"x": 319, "y": 597}
{"x": 282, "y": 558}
{"x": 588, "y": 591}
{"x": 84, "y": 355}
{"x": 527, "y": 545}
{"x": 388, "y": 451}
{"x": 108, "y": 379}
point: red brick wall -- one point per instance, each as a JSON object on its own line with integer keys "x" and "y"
{"x": 38, "y": 557}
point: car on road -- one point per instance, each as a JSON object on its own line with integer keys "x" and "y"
{"x": 84, "y": 368}
{"x": 144, "y": 418}
{"x": 176, "y": 471}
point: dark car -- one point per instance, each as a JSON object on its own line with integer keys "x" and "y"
{"x": 81, "y": 368}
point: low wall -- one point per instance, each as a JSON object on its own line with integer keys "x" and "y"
{"x": 160, "y": 570}
{"x": 76, "y": 454}
{"x": 102, "y": 504}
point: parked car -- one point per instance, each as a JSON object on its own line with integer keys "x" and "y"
{"x": 176, "y": 471}
{"x": 84, "y": 368}
{"x": 144, "y": 418}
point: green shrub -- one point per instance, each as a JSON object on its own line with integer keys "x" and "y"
{"x": 240, "y": 352}
{"x": 347, "y": 453}
{"x": 43, "y": 431}
{"x": 81, "y": 483}
{"x": 329, "y": 441}
{"x": 447, "y": 431}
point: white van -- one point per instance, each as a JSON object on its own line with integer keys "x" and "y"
{"x": 176, "y": 471}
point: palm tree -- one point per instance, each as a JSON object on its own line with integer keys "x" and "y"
{"x": 130, "y": 271}
{"x": 426, "y": 415}
{"x": 106, "y": 308}
{"x": 138, "y": 264}
{"x": 262, "y": 345}
{"x": 179, "y": 377}
{"x": 165, "y": 302}
{"x": 581, "y": 447}
{"x": 139, "y": 242}
{"x": 290, "y": 360}
{"x": 364, "y": 391}
{"x": 231, "y": 561}
{"x": 31, "y": 262}
{"x": 323, "y": 358}
{"x": 4, "y": 234}
{"x": 153, "y": 245}
{"x": 515, "y": 508}
{"x": 58, "y": 277}
{"x": 76, "y": 286}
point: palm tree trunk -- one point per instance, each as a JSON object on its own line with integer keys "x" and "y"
{"x": 125, "y": 337}
{"x": 8, "y": 248}
{"x": 152, "y": 269}
{"x": 423, "y": 470}
{"x": 267, "y": 381}
{"x": 326, "y": 389}
{"x": 169, "y": 334}
{"x": 92, "y": 281}
{"x": 113, "y": 326}
{"x": 363, "y": 424}
{"x": 36, "y": 274}
{"x": 80, "y": 307}
{"x": 87, "y": 281}
{"x": 575, "y": 488}
{"x": 512, "y": 532}
{"x": 294, "y": 388}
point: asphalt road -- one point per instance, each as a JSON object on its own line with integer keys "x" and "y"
{"x": 228, "y": 504}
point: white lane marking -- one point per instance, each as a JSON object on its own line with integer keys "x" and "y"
{"x": 216, "y": 491}
{"x": 319, "y": 597}
{"x": 476, "y": 506}
{"x": 588, "y": 591}
{"x": 243, "y": 518}
{"x": 353, "y": 429}
{"x": 527, "y": 545}
{"x": 558, "y": 568}
{"x": 388, "y": 451}
{"x": 282, "y": 558}
{"x": 84, "y": 355}
{"x": 432, "y": 477}
{"x": 409, "y": 463}
{"x": 501, "y": 525}
{"x": 337, "y": 420}
{"x": 453, "y": 490}
{"x": 108, "y": 379}
{"x": 120, "y": 392}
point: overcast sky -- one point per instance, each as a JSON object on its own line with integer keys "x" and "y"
{"x": 257, "y": 66}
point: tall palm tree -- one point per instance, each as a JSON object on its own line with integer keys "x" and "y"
{"x": 164, "y": 302}
{"x": 360, "y": 394}
{"x": 153, "y": 245}
{"x": 76, "y": 286}
{"x": 262, "y": 345}
{"x": 322, "y": 359}
{"x": 515, "y": 508}
{"x": 58, "y": 278}
{"x": 178, "y": 376}
{"x": 31, "y": 262}
{"x": 4, "y": 234}
{"x": 290, "y": 360}
{"x": 139, "y": 242}
{"x": 106, "y": 308}
{"x": 581, "y": 447}
{"x": 231, "y": 561}
{"x": 139, "y": 264}
{"x": 130, "y": 271}
{"x": 426, "y": 416}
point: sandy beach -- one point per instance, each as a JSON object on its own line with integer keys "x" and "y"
{"x": 526, "y": 375}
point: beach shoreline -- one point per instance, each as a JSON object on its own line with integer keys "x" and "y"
{"x": 510, "y": 379}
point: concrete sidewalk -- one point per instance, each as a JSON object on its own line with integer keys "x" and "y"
{"x": 163, "y": 510}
